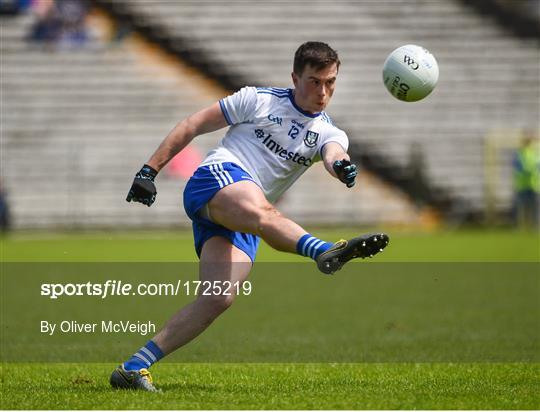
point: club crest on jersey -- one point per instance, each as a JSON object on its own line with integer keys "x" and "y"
{"x": 311, "y": 138}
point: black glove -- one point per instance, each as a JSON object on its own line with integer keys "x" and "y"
{"x": 345, "y": 171}
{"x": 143, "y": 189}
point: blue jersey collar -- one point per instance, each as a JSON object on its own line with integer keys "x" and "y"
{"x": 291, "y": 98}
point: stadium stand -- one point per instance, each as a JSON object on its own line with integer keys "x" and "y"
{"x": 78, "y": 123}
{"x": 75, "y": 125}
{"x": 520, "y": 16}
{"x": 489, "y": 79}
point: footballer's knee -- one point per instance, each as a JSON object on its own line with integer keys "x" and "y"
{"x": 266, "y": 217}
{"x": 216, "y": 304}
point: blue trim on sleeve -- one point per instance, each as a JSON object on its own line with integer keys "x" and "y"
{"x": 225, "y": 113}
{"x": 320, "y": 150}
{"x": 278, "y": 90}
{"x": 332, "y": 141}
{"x": 272, "y": 93}
{"x": 327, "y": 118}
{"x": 312, "y": 115}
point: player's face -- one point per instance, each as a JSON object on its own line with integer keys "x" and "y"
{"x": 314, "y": 89}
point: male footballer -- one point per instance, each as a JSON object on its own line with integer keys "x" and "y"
{"x": 274, "y": 135}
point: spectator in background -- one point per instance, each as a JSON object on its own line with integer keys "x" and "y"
{"x": 73, "y": 15}
{"x": 4, "y": 211}
{"x": 121, "y": 30}
{"x": 60, "y": 22}
{"x": 526, "y": 166}
{"x": 13, "y": 7}
{"x": 48, "y": 25}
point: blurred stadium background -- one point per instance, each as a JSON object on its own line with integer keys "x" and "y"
{"x": 90, "y": 88}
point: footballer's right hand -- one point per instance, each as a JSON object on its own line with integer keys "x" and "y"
{"x": 143, "y": 189}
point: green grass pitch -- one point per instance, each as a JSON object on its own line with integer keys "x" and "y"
{"x": 274, "y": 385}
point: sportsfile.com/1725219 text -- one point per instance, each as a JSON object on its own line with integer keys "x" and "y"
{"x": 112, "y": 288}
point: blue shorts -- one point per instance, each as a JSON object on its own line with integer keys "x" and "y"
{"x": 201, "y": 187}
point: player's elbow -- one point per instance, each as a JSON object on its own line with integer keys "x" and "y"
{"x": 190, "y": 127}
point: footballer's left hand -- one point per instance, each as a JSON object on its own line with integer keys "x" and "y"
{"x": 345, "y": 171}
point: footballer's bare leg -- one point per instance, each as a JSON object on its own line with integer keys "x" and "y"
{"x": 220, "y": 261}
{"x": 242, "y": 207}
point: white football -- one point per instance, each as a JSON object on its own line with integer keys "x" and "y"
{"x": 410, "y": 73}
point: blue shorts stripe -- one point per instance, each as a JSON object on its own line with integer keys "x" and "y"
{"x": 215, "y": 174}
{"x": 227, "y": 177}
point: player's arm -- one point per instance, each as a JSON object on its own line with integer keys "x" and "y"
{"x": 338, "y": 163}
{"x": 207, "y": 120}
{"x": 204, "y": 121}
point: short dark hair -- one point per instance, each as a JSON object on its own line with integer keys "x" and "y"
{"x": 316, "y": 54}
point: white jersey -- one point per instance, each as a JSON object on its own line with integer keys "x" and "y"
{"x": 271, "y": 138}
